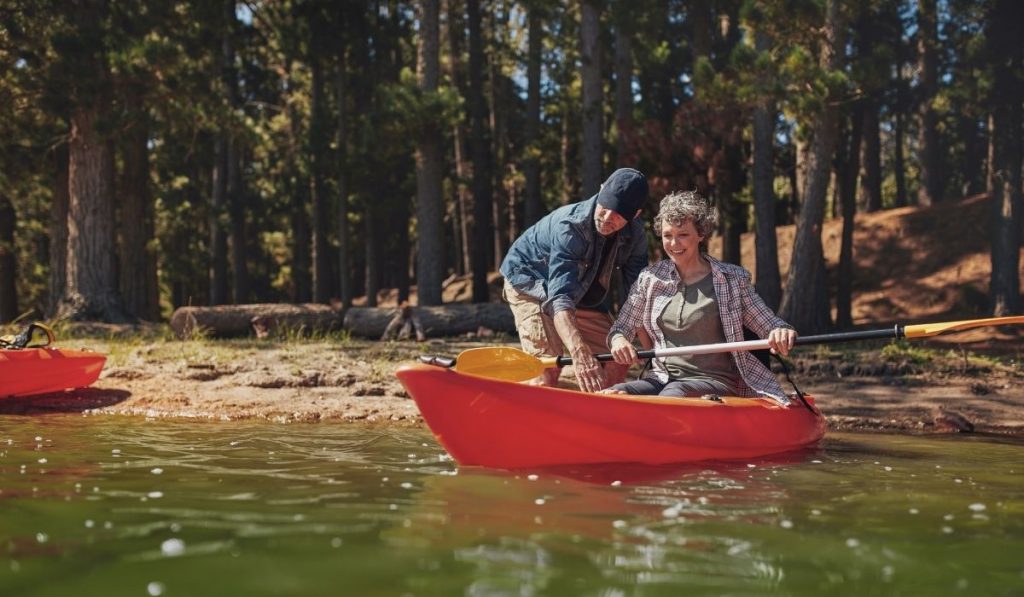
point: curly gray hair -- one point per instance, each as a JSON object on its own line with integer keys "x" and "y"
{"x": 679, "y": 206}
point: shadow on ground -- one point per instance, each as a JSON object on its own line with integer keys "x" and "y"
{"x": 75, "y": 401}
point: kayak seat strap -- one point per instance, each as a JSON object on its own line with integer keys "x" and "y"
{"x": 789, "y": 378}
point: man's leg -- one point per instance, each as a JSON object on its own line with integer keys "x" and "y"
{"x": 537, "y": 333}
{"x": 594, "y": 327}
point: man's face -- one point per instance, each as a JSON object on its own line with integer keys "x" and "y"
{"x": 608, "y": 221}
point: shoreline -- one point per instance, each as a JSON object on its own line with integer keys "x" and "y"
{"x": 352, "y": 381}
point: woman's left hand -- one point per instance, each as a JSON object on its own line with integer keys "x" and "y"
{"x": 781, "y": 340}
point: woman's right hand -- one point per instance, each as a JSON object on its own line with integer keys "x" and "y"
{"x": 623, "y": 351}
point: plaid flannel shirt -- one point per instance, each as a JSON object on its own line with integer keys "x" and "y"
{"x": 739, "y": 305}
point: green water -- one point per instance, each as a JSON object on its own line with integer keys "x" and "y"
{"x": 127, "y": 506}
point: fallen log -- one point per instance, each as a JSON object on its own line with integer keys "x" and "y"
{"x": 261, "y": 320}
{"x": 450, "y": 319}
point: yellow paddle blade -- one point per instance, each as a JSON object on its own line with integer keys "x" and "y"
{"x": 502, "y": 362}
{"x": 932, "y": 329}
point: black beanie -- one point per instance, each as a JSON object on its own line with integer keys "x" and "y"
{"x": 625, "y": 191}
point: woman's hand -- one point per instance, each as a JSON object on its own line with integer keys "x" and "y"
{"x": 781, "y": 340}
{"x": 623, "y": 351}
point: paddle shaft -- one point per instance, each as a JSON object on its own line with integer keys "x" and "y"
{"x": 896, "y": 331}
{"x": 513, "y": 364}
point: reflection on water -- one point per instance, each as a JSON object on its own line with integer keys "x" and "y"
{"x": 137, "y": 507}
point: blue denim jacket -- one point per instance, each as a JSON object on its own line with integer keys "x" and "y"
{"x": 553, "y": 261}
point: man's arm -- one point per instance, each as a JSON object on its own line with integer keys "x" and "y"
{"x": 589, "y": 372}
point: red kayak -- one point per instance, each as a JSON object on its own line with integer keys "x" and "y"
{"x": 495, "y": 423}
{"x": 28, "y": 371}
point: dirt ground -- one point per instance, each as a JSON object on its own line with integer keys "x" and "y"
{"x": 907, "y": 270}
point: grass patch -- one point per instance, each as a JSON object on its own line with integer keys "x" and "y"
{"x": 905, "y": 351}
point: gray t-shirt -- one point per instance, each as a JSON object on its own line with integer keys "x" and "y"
{"x": 692, "y": 318}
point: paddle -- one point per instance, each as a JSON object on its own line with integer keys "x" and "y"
{"x": 512, "y": 364}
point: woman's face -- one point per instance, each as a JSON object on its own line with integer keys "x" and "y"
{"x": 681, "y": 243}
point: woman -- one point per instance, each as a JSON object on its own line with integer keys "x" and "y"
{"x": 691, "y": 298}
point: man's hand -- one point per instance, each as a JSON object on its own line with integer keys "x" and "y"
{"x": 589, "y": 372}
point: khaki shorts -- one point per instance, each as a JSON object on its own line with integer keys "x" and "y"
{"x": 539, "y": 338}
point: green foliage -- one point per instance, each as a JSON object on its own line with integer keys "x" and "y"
{"x": 162, "y": 63}
{"x": 904, "y": 350}
{"x": 408, "y": 110}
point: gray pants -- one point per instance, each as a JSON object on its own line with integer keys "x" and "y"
{"x": 677, "y": 388}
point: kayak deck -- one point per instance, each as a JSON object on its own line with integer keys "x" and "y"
{"x": 30, "y": 371}
{"x": 488, "y": 422}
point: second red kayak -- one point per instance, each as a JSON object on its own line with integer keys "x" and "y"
{"x": 29, "y": 371}
{"x": 488, "y": 422}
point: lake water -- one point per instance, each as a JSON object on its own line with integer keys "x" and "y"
{"x": 127, "y": 506}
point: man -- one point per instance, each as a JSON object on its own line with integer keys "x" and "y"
{"x": 558, "y": 273}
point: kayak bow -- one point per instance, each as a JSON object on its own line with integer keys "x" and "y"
{"x": 29, "y": 371}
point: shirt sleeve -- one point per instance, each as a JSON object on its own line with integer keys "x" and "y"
{"x": 631, "y": 316}
{"x": 757, "y": 316}
{"x": 568, "y": 253}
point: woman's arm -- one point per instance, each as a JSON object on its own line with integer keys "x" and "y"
{"x": 629, "y": 321}
{"x": 760, "y": 319}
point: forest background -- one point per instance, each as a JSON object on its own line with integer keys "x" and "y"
{"x": 166, "y": 153}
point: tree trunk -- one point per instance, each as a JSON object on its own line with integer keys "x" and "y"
{"x": 1006, "y": 149}
{"x": 430, "y": 254}
{"x": 456, "y": 37}
{"x": 871, "y": 158}
{"x": 568, "y": 194}
{"x": 372, "y": 235}
{"x": 235, "y": 195}
{"x": 345, "y": 282}
{"x": 848, "y": 199}
{"x": 593, "y": 127}
{"x": 238, "y": 200}
{"x": 138, "y": 257}
{"x": 929, "y": 157}
{"x": 402, "y": 255}
{"x": 227, "y": 321}
{"x": 793, "y": 176}
{"x": 220, "y": 196}
{"x": 452, "y": 319}
{"x": 623, "y": 81}
{"x": 899, "y": 162}
{"x": 728, "y": 183}
{"x": 974, "y": 155}
{"x": 58, "y": 230}
{"x": 92, "y": 289}
{"x": 8, "y": 262}
{"x": 301, "y": 278}
{"x": 481, "y": 143}
{"x": 802, "y": 149}
{"x": 218, "y": 212}
{"x": 318, "y": 166}
{"x": 768, "y": 279}
{"x": 806, "y": 302}
{"x": 701, "y": 17}
{"x": 533, "y": 203}
{"x": 500, "y": 208}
